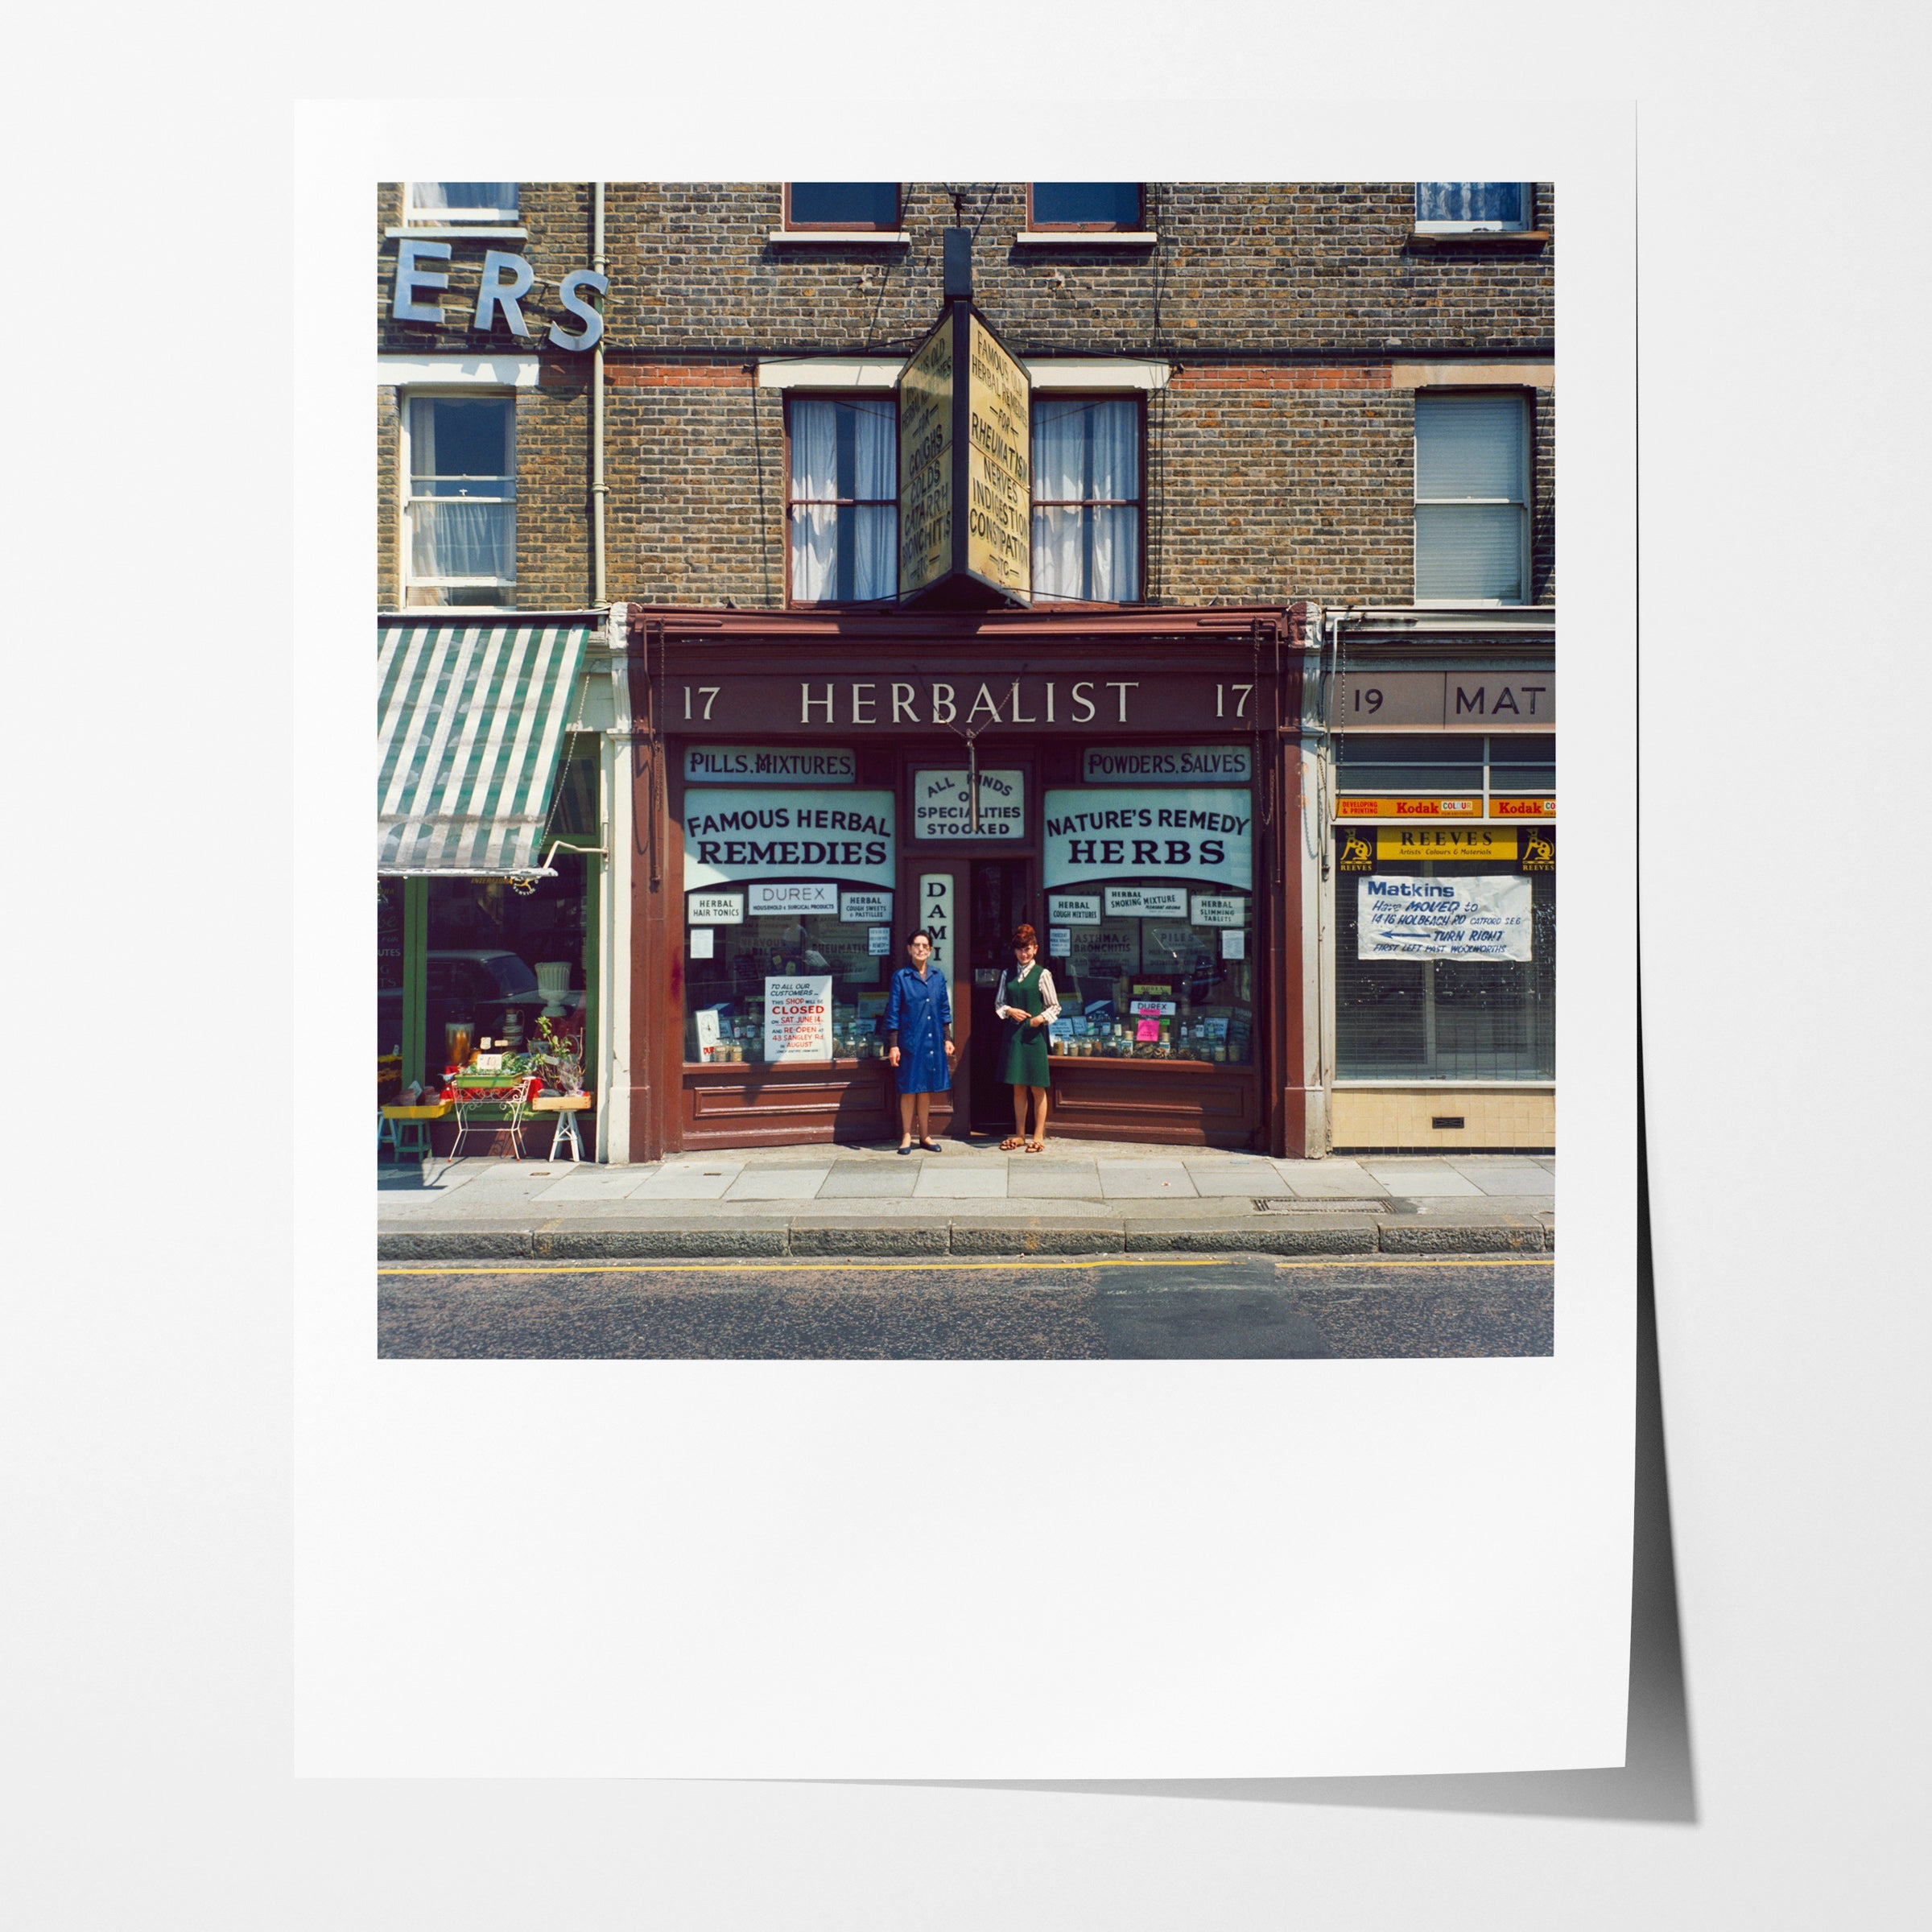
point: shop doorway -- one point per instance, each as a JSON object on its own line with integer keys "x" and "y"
{"x": 1001, "y": 897}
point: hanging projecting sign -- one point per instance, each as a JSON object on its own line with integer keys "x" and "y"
{"x": 965, "y": 465}
{"x": 1470, "y": 918}
{"x": 942, "y": 805}
{"x": 767, "y": 832}
{"x": 1109, "y": 832}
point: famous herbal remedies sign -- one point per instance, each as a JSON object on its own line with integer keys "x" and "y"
{"x": 1470, "y": 918}
{"x": 767, "y": 831}
{"x": 1112, "y": 831}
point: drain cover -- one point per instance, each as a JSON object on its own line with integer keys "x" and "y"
{"x": 1282, "y": 1203}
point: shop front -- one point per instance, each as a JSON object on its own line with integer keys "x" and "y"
{"x": 819, "y": 787}
{"x": 492, "y": 775}
{"x": 1441, "y": 903}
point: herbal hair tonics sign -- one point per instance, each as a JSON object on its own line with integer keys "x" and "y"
{"x": 1468, "y": 919}
{"x": 1113, "y": 832}
{"x": 734, "y": 833}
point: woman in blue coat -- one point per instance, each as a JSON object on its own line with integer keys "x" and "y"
{"x": 919, "y": 1030}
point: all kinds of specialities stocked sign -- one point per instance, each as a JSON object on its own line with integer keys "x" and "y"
{"x": 1481, "y": 918}
{"x": 942, "y": 805}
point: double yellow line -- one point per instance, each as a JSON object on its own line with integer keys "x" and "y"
{"x": 1005, "y": 1264}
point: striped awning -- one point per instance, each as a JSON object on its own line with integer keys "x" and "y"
{"x": 470, "y": 724}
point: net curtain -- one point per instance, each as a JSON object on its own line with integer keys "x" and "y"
{"x": 1085, "y": 450}
{"x": 450, "y": 535}
{"x": 843, "y": 551}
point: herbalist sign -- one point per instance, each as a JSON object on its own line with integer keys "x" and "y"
{"x": 734, "y": 833}
{"x": 1485, "y": 917}
{"x": 1112, "y": 831}
{"x": 965, "y": 467}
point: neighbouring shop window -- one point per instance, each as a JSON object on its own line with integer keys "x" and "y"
{"x": 498, "y": 958}
{"x": 844, "y": 502}
{"x": 835, "y": 204}
{"x": 1471, "y": 498}
{"x": 434, "y": 204}
{"x": 459, "y": 544}
{"x": 789, "y": 939}
{"x": 1477, "y": 999}
{"x": 1471, "y": 207}
{"x": 1086, "y": 498}
{"x": 1084, "y": 205}
{"x": 1150, "y": 918}
{"x": 1440, "y": 765}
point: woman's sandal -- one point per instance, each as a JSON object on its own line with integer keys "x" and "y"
{"x": 1011, "y": 1142}
{"x": 1036, "y": 1146}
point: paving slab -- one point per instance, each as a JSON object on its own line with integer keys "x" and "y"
{"x": 856, "y": 1180}
{"x": 1419, "y": 1180}
{"x": 1145, "y": 1180}
{"x": 1321, "y": 1180}
{"x": 592, "y": 1184}
{"x": 943, "y": 1181}
{"x": 1524, "y": 1179}
{"x": 777, "y": 1184}
{"x": 1042, "y": 1180}
{"x": 1258, "y": 1177}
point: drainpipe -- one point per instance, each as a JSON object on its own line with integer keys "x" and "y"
{"x": 598, "y": 598}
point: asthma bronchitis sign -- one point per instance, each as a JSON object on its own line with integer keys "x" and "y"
{"x": 1468, "y": 918}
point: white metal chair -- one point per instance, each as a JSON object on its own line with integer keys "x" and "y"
{"x": 472, "y": 1101}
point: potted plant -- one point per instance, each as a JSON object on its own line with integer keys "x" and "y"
{"x": 559, "y": 1057}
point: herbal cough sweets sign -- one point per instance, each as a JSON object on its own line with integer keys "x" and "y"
{"x": 734, "y": 833}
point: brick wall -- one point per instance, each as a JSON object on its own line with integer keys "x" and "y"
{"x": 1279, "y": 457}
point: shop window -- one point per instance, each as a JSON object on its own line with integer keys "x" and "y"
{"x": 1087, "y": 499}
{"x": 1471, "y": 498}
{"x": 842, "y": 204}
{"x": 460, "y": 508}
{"x": 1472, "y": 207}
{"x": 1085, "y": 206}
{"x": 1481, "y": 1015}
{"x": 444, "y": 204}
{"x": 499, "y": 958}
{"x": 1153, "y": 889}
{"x": 843, "y": 499}
{"x": 790, "y": 940}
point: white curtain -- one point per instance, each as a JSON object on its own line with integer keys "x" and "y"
{"x": 848, "y": 550}
{"x": 451, "y": 536}
{"x": 496, "y": 195}
{"x": 1085, "y": 449}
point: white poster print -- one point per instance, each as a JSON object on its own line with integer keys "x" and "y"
{"x": 798, "y": 1018}
{"x": 1470, "y": 918}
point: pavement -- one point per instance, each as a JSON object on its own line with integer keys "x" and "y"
{"x": 1077, "y": 1197}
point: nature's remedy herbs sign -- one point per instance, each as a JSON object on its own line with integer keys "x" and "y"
{"x": 1476, "y": 918}
{"x": 769, "y": 832}
{"x": 965, "y": 463}
{"x": 1113, "y": 832}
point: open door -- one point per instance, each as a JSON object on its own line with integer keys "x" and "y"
{"x": 1001, "y": 898}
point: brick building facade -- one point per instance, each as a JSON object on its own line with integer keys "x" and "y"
{"x": 1291, "y": 330}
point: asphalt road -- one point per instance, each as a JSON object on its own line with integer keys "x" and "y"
{"x": 1233, "y": 1308}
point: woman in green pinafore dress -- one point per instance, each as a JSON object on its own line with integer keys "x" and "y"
{"x": 1026, "y": 1002}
